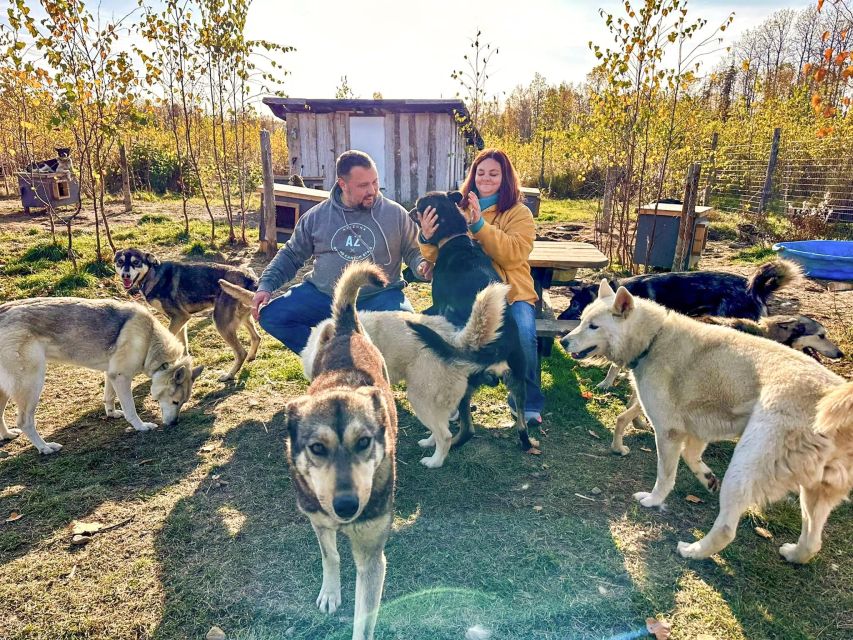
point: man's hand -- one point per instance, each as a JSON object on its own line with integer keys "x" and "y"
{"x": 260, "y": 299}
{"x": 429, "y": 223}
{"x": 425, "y": 270}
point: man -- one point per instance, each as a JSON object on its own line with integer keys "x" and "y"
{"x": 355, "y": 223}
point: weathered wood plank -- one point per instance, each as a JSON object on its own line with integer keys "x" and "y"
{"x": 388, "y": 131}
{"x": 398, "y": 164}
{"x": 414, "y": 158}
{"x": 548, "y": 328}
{"x": 432, "y": 151}
{"x": 293, "y": 150}
{"x": 341, "y": 133}
{"x": 405, "y": 159}
{"x": 326, "y": 148}
{"x": 268, "y": 240}
{"x": 422, "y": 137}
{"x": 566, "y": 255}
{"x": 443, "y": 146}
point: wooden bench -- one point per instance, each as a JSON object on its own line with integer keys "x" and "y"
{"x": 553, "y": 328}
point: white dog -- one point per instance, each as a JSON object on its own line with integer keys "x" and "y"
{"x": 701, "y": 383}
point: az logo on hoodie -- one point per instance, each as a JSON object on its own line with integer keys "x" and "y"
{"x": 354, "y": 242}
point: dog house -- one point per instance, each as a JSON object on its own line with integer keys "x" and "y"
{"x": 48, "y": 190}
{"x": 417, "y": 145}
{"x": 657, "y": 234}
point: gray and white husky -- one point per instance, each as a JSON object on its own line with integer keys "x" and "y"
{"x": 121, "y": 339}
{"x": 701, "y": 383}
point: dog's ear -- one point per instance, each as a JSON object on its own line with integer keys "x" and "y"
{"x": 624, "y": 303}
{"x": 293, "y": 413}
{"x": 455, "y": 197}
{"x": 787, "y": 322}
{"x": 179, "y": 375}
{"x": 117, "y": 255}
{"x": 380, "y": 408}
{"x": 196, "y": 372}
{"x": 413, "y": 215}
{"x": 151, "y": 259}
{"x": 604, "y": 290}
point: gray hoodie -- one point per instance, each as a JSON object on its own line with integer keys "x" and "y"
{"x": 337, "y": 235}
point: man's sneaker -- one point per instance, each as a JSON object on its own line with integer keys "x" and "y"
{"x": 531, "y": 418}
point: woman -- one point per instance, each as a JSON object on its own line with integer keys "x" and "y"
{"x": 504, "y": 227}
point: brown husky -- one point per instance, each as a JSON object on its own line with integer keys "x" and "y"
{"x": 341, "y": 441}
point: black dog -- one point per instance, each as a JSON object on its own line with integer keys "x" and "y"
{"x": 698, "y": 293}
{"x": 180, "y": 290}
{"x": 461, "y": 271}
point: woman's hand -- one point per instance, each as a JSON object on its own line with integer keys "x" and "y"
{"x": 472, "y": 213}
{"x": 429, "y": 222}
{"x": 425, "y": 270}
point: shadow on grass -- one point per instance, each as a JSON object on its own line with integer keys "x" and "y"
{"x": 470, "y": 546}
{"x": 99, "y": 462}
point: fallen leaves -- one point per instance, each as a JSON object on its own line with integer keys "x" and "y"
{"x": 764, "y": 533}
{"x": 587, "y": 395}
{"x": 646, "y": 449}
{"x": 84, "y": 532}
{"x": 694, "y": 499}
{"x": 215, "y": 633}
{"x": 86, "y": 528}
{"x": 14, "y": 516}
{"x": 593, "y": 434}
{"x": 659, "y": 629}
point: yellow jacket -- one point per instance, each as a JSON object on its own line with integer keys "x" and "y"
{"x": 507, "y": 238}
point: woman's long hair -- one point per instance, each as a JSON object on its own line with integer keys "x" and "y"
{"x": 509, "y": 193}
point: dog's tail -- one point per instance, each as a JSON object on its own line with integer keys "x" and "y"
{"x": 241, "y": 294}
{"x": 835, "y": 410}
{"x": 772, "y": 276}
{"x": 486, "y": 319}
{"x": 354, "y": 277}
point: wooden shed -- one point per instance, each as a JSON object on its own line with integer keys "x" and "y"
{"x": 418, "y": 145}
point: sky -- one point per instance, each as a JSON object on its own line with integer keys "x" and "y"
{"x": 408, "y": 49}
{"x": 405, "y": 49}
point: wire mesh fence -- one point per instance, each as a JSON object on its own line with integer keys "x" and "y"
{"x": 745, "y": 178}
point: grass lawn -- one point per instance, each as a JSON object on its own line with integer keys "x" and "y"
{"x": 529, "y": 547}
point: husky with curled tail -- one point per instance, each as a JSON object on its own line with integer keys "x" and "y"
{"x": 700, "y": 383}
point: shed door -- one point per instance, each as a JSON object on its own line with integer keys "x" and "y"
{"x": 368, "y": 134}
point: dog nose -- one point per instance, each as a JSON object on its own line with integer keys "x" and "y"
{"x": 345, "y": 505}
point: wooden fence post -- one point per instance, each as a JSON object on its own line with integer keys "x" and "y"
{"x": 269, "y": 241}
{"x": 125, "y": 177}
{"x": 611, "y": 178}
{"x": 686, "y": 228}
{"x": 712, "y": 174}
{"x": 771, "y": 167}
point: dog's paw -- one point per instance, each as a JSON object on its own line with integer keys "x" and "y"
{"x": 692, "y": 550}
{"x": 794, "y": 554}
{"x": 11, "y": 434}
{"x": 145, "y": 426}
{"x": 115, "y": 413}
{"x": 432, "y": 462}
{"x": 426, "y": 443}
{"x": 647, "y": 499}
{"x": 49, "y": 447}
{"x": 621, "y": 449}
{"x": 329, "y": 599}
{"x": 226, "y": 377}
{"x": 712, "y": 483}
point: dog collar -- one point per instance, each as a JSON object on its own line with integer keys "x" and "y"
{"x": 636, "y": 361}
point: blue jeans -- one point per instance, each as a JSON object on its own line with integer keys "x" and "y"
{"x": 291, "y": 317}
{"x": 524, "y": 314}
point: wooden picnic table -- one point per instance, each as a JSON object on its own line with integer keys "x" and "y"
{"x": 547, "y": 259}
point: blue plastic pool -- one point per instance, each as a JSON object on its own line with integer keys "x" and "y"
{"x": 829, "y": 259}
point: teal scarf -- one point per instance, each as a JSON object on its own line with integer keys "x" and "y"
{"x": 488, "y": 201}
